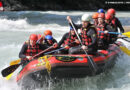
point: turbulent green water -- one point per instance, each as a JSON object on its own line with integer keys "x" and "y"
{"x": 16, "y": 28}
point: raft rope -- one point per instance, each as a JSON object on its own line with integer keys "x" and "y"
{"x": 44, "y": 61}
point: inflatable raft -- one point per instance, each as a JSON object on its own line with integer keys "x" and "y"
{"x": 68, "y": 66}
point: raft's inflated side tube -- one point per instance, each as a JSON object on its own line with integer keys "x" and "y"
{"x": 70, "y": 66}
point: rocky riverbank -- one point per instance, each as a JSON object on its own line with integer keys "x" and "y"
{"x": 17, "y": 5}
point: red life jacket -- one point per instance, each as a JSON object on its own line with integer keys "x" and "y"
{"x": 69, "y": 40}
{"x": 101, "y": 27}
{"x": 31, "y": 51}
{"x": 85, "y": 39}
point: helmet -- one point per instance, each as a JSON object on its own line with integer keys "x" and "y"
{"x": 111, "y": 11}
{"x": 101, "y": 11}
{"x": 108, "y": 16}
{"x": 33, "y": 37}
{"x": 48, "y": 32}
{"x": 95, "y": 16}
{"x": 71, "y": 28}
{"x": 49, "y": 37}
{"x": 86, "y": 17}
{"x": 101, "y": 15}
{"x": 39, "y": 37}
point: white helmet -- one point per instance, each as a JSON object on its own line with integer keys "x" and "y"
{"x": 86, "y": 17}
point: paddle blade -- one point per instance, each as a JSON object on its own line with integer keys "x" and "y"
{"x": 15, "y": 62}
{"x": 125, "y": 50}
{"x": 5, "y": 72}
{"x": 126, "y": 34}
{"x": 9, "y": 76}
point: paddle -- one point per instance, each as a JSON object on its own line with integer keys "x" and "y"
{"x": 15, "y": 62}
{"x": 125, "y": 39}
{"x": 124, "y": 49}
{"x": 126, "y": 33}
{"x": 5, "y": 72}
{"x": 91, "y": 63}
{"x": 39, "y": 39}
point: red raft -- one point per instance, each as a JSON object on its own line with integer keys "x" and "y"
{"x": 68, "y": 66}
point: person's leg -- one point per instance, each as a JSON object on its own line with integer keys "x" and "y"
{"x": 76, "y": 50}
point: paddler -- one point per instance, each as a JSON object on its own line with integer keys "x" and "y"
{"x": 68, "y": 40}
{"x": 30, "y": 48}
{"x": 103, "y": 41}
{"x": 88, "y": 36}
{"x": 112, "y": 37}
{"x": 50, "y": 41}
{"x": 115, "y": 21}
{"x": 95, "y": 18}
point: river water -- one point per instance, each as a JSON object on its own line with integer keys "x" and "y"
{"x": 16, "y": 28}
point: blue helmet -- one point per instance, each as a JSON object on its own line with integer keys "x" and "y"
{"x": 49, "y": 37}
{"x": 101, "y": 11}
{"x": 71, "y": 28}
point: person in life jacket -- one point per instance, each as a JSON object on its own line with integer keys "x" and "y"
{"x": 103, "y": 41}
{"x": 112, "y": 37}
{"x": 50, "y": 41}
{"x": 115, "y": 21}
{"x": 68, "y": 40}
{"x": 95, "y": 18}
{"x": 88, "y": 36}
{"x": 30, "y": 48}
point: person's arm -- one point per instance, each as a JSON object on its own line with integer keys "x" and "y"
{"x": 63, "y": 38}
{"x": 93, "y": 35}
{"x": 77, "y": 26}
{"x": 118, "y": 23}
{"x": 109, "y": 28}
{"x": 54, "y": 40}
{"x": 23, "y": 50}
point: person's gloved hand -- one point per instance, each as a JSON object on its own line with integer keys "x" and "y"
{"x": 77, "y": 41}
{"x": 67, "y": 47}
{"x": 68, "y": 18}
{"x": 105, "y": 31}
{"x": 84, "y": 47}
{"x": 29, "y": 57}
{"x": 55, "y": 45}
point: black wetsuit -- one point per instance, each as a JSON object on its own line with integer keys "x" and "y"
{"x": 118, "y": 25}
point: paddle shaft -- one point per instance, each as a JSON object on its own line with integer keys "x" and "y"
{"x": 39, "y": 39}
{"x": 92, "y": 64}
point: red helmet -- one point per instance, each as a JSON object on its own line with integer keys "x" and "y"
{"x": 40, "y": 37}
{"x": 101, "y": 15}
{"x": 48, "y": 32}
{"x": 111, "y": 11}
{"x": 108, "y": 16}
{"x": 95, "y": 15}
{"x": 33, "y": 37}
